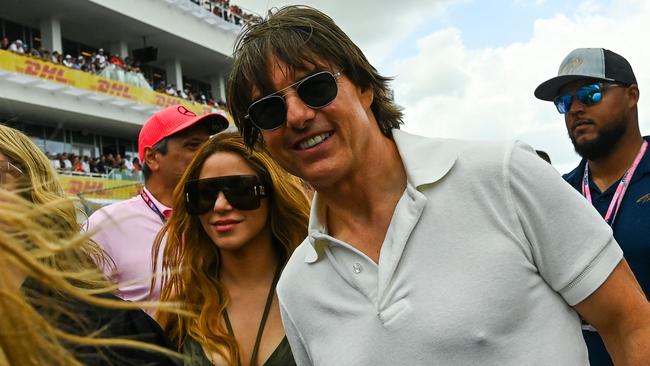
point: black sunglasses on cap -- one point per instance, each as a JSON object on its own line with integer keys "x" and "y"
{"x": 316, "y": 91}
{"x": 243, "y": 192}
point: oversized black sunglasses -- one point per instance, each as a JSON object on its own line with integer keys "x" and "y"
{"x": 316, "y": 91}
{"x": 243, "y": 192}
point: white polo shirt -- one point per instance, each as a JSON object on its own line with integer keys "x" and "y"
{"x": 486, "y": 252}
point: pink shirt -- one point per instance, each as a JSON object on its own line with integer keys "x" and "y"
{"x": 126, "y": 231}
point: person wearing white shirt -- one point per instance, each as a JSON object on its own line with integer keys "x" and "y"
{"x": 422, "y": 251}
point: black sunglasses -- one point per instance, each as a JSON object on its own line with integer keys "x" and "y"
{"x": 243, "y": 192}
{"x": 316, "y": 91}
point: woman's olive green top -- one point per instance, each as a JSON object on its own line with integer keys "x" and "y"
{"x": 282, "y": 355}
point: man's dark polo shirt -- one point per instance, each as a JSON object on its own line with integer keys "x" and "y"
{"x": 631, "y": 229}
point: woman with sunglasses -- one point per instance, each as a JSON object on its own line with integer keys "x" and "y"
{"x": 237, "y": 218}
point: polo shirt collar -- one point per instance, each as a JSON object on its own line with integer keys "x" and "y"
{"x": 425, "y": 160}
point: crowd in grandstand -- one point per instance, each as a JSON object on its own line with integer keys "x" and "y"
{"x": 111, "y": 67}
{"x": 126, "y": 167}
{"x": 196, "y": 96}
{"x": 223, "y": 9}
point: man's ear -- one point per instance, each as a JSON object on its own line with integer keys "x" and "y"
{"x": 151, "y": 158}
{"x": 366, "y": 96}
{"x": 633, "y": 95}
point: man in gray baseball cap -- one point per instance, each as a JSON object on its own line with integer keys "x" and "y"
{"x": 597, "y": 93}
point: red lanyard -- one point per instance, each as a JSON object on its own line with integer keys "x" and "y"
{"x": 620, "y": 190}
{"x": 152, "y": 206}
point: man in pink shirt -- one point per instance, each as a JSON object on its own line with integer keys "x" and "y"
{"x": 126, "y": 230}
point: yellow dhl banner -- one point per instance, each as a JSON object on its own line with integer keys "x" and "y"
{"x": 31, "y": 66}
{"x": 99, "y": 188}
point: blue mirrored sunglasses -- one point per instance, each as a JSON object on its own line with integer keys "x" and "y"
{"x": 588, "y": 95}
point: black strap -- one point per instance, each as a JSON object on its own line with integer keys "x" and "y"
{"x": 265, "y": 315}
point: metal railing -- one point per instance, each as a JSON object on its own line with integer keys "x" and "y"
{"x": 92, "y": 200}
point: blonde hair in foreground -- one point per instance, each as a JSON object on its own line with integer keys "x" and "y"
{"x": 39, "y": 185}
{"x": 29, "y": 335}
{"x": 188, "y": 247}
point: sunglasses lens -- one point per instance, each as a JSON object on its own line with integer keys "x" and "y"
{"x": 202, "y": 194}
{"x": 242, "y": 197}
{"x": 589, "y": 94}
{"x": 268, "y": 113}
{"x": 563, "y": 103}
{"x": 318, "y": 90}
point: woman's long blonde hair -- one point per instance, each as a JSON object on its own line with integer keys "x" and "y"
{"x": 191, "y": 260}
{"x": 41, "y": 239}
{"x": 40, "y": 186}
{"x": 30, "y": 334}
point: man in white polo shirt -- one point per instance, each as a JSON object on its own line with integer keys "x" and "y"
{"x": 126, "y": 230}
{"x": 422, "y": 251}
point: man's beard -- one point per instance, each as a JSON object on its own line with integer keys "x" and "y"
{"x": 603, "y": 144}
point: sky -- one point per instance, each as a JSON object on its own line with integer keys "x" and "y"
{"x": 468, "y": 68}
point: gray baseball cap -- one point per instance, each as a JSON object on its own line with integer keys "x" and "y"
{"x": 587, "y": 63}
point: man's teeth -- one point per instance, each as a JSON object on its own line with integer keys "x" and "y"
{"x": 311, "y": 142}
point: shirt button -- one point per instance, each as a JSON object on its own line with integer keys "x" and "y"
{"x": 356, "y": 267}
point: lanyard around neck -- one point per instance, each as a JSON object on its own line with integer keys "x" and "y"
{"x": 620, "y": 189}
{"x": 152, "y": 206}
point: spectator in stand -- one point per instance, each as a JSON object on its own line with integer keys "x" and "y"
{"x": 78, "y": 63}
{"x": 87, "y": 64}
{"x": 59, "y": 157}
{"x": 136, "y": 165}
{"x": 17, "y": 46}
{"x": 100, "y": 59}
{"x": 85, "y": 164}
{"x": 66, "y": 163}
{"x": 68, "y": 61}
{"x": 236, "y": 14}
{"x": 4, "y": 44}
{"x": 54, "y": 161}
{"x": 160, "y": 88}
{"x": 55, "y": 57}
{"x": 127, "y": 162}
{"x": 76, "y": 165}
{"x": 45, "y": 54}
{"x": 171, "y": 89}
{"x": 118, "y": 160}
{"x": 101, "y": 165}
{"x": 117, "y": 61}
{"x": 34, "y": 53}
{"x": 110, "y": 162}
{"x": 126, "y": 230}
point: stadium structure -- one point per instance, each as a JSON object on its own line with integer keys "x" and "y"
{"x": 184, "y": 43}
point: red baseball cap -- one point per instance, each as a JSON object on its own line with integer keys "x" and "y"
{"x": 172, "y": 120}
